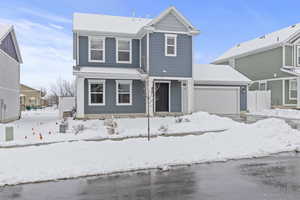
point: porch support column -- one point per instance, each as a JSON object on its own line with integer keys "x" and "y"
{"x": 80, "y": 97}
{"x": 298, "y": 92}
{"x": 150, "y": 96}
{"x": 190, "y": 95}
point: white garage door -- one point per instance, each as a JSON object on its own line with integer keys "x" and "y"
{"x": 220, "y": 100}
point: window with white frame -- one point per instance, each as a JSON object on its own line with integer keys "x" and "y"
{"x": 298, "y": 55}
{"x": 123, "y": 50}
{"x": 124, "y": 92}
{"x": 263, "y": 85}
{"x": 96, "y": 49}
{"x": 170, "y": 45}
{"x": 96, "y": 92}
{"x": 292, "y": 89}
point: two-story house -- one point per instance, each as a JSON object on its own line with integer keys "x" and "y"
{"x": 271, "y": 62}
{"x": 10, "y": 60}
{"x": 132, "y": 66}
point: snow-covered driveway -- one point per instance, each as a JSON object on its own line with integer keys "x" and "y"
{"x": 74, "y": 159}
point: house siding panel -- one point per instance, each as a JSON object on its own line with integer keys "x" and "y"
{"x": 276, "y": 92}
{"x": 8, "y": 47}
{"x": 170, "y": 23}
{"x": 176, "y": 99}
{"x": 289, "y": 56}
{"x": 144, "y": 53}
{"x": 179, "y": 66}
{"x": 110, "y": 54}
{"x": 262, "y": 65}
{"x": 138, "y": 99}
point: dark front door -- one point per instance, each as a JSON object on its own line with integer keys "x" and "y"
{"x": 162, "y": 97}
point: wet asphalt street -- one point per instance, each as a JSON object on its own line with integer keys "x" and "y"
{"x": 272, "y": 178}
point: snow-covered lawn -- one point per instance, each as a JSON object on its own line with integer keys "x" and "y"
{"x": 42, "y": 126}
{"x": 282, "y": 113}
{"x": 74, "y": 159}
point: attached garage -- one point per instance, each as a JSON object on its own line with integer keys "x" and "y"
{"x": 217, "y": 99}
{"x": 219, "y": 89}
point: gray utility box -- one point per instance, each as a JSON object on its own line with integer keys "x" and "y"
{"x": 9, "y": 133}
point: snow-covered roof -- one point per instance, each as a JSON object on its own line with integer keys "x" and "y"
{"x": 262, "y": 43}
{"x": 4, "y": 29}
{"x": 110, "y": 72}
{"x": 218, "y": 74}
{"x": 108, "y": 24}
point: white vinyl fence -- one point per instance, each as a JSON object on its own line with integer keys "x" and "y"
{"x": 65, "y": 104}
{"x": 258, "y": 100}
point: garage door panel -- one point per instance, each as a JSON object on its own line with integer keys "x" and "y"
{"x": 223, "y": 100}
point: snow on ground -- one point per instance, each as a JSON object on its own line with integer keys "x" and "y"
{"x": 42, "y": 126}
{"x": 283, "y": 113}
{"x": 74, "y": 159}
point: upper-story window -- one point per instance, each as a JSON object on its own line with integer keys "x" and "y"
{"x": 96, "y": 49}
{"x": 298, "y": 55}
{"x": 170, "y": 45}
{"x": 123, "y": 50}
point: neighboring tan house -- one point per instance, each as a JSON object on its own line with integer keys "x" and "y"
{"x": 132, "y": 66}
{"x": 10, "y": 60}
{"x": 271, "y": 62}
{"x": 31, "y": 97}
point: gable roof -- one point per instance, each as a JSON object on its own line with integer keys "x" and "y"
{"x": 218, "y": 74}
{"x": 262, "y": 43}
{"x": 5, "y": 29}
{"x": 123, "y": 25}
{"x": 27, "y": 88}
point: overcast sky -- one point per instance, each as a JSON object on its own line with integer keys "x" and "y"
{"x": 44, "y": 28}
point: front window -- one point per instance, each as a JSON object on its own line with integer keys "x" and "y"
{"x": 124, "y": 92}
{"x": 96, "y": 49}
{"x": 293, "y": 89}
{"x": 96, "y": 92}
{"x": 170, "y": 45}
{"x": 123, "y": 51}
{"x": 263, "y": 85}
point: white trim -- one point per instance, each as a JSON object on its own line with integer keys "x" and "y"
{"x": 169, "y": 108}
{"x": 274, "y": 79}
{"x": 171, "y": 78}
{"x": 140, "y": 40}
{"x": 292, "y": 98}
{"x": 11, "y": 58}
{"x": 130, "y": 92}
{"x": 77, "y": 49}
{"x": 298, "y": 55}
{"x": 172, "y": 32}
{"x": 89, "y": 92}
{"x": 103, "y": 48}
{"x": 283, "y": 92}
{"x": 173, "y": 36}
{"x": 117, "y": 50}
{"x": 283, "y": 55}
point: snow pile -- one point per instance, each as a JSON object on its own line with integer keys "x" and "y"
{"x": 283, "y": 113}
{"x": 74, "y": 159}
{"x": 42, "y": 126}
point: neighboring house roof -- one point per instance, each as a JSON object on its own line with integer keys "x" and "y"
{"x": 5, "y": 29}
{"x": 111, "y": 72}
{"x": 262, "y": 43}
{"x": 27, "y": 88}
{"x": 218, "y": 74}
{"x": 122, "y": 25}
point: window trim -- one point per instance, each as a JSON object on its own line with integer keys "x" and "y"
{"x": 298, "y": 55}
{"x": 90, "y": 82}
{"x": 130, "y": 50}
{"x": 175, "y": 44}
{"x": 292, "y": 98}
{"x": 130, "y": 92}
{"x": 263, "y": 82}
{"x": 89, "y": 48}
